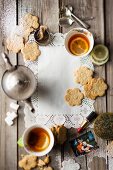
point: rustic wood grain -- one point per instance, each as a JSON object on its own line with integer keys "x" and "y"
{"x": 47, "y": 11}
{"x": 8, "y": 135}
{"x": 100, "y": 104}
{"x": 109, "y": 66}
{"x": 98, "y": 10}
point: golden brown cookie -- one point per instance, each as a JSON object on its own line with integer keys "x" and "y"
{"x": 47, "y": 159}
{"x": 48, "y": 168}
{"x": 22, "y": 32}
{"x": 83, "y": 75}
{"x": 31, "y": 51}
{"x": 74, "y": 97}
{"x": 41, "y": 163}
{"x": 60, "y": 134}
{"x": 30, "y": 21}
{"x": 44, "y": 162}
{"x": 26, "y": 33}
{"x": 95, "y": 87}
{"x": 14, "y": 43}
{"x": 28, "y": 162}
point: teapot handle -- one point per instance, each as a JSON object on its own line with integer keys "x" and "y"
{"x": 7, "y": 61}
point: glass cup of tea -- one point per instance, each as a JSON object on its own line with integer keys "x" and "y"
{"x": 38, "y": 140}
{"x": 79, "y": 42}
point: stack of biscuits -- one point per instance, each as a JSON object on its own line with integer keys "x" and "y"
{"x": 18, "y": 39}
{"x": 29, "y": 162}
{"x": 93, "y": 87}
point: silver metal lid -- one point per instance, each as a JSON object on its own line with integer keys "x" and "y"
{"x": 19, "y": 83}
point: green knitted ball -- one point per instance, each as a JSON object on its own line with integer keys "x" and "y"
{"x": 103, "y": 126}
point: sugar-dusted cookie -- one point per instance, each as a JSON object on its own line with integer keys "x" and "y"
{"x": 74, "y": 97}
{"x": 30, "y": 21}
{"x": 14, "y": 43}
{"x": 30, "y": 51}
{"x": 83, "y": 74}
{"x": 28, "y": 162}
{"x": 95, "y": 87}
{"x": 26, "y": 33}
{"x": 21, "y": 31}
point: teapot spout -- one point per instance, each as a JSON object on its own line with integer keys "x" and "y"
{"x": 29, "y": 104}
{"x": 7, "y": 61}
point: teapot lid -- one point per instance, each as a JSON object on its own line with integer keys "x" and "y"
{"x": 19, "y": 83}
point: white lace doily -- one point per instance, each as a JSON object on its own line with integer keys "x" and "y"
{"x": 54, "y": 71}
{"x": 70, "y": 164}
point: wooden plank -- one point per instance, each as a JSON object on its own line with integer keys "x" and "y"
{"x": 8, "y": 135}
{"x": 100, "y": 104}
{"x": 86, "y": 9}
{"x": 109, "y": 71}
{"x": 47, "y": 10}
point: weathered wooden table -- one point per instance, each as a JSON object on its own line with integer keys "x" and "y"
{"x": 48, "y": 12}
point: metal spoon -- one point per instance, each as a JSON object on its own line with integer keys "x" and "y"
{"x": 68, "y": 12}
{"x": 66, "y": 21}
{"x": 63, "y": 13}
{"x": 63, "y": 10}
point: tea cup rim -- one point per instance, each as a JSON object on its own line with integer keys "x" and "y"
{"x": 41, "y": 153}
{"x": 82, "y": 30}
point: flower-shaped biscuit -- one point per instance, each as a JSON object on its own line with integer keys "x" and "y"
{"x": 26, "y": 33}
{"x": 30, "y": 21}
{"x": 95, "y": 87}
{"x": 31, "y": 51}
{"x": 14, "y": 43}
{"x": 74, "y": 97}
{"x": 28, "y": 162}
{"x": 83, "y": 74}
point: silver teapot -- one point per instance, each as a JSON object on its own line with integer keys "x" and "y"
{"x": 18, "y": 82}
